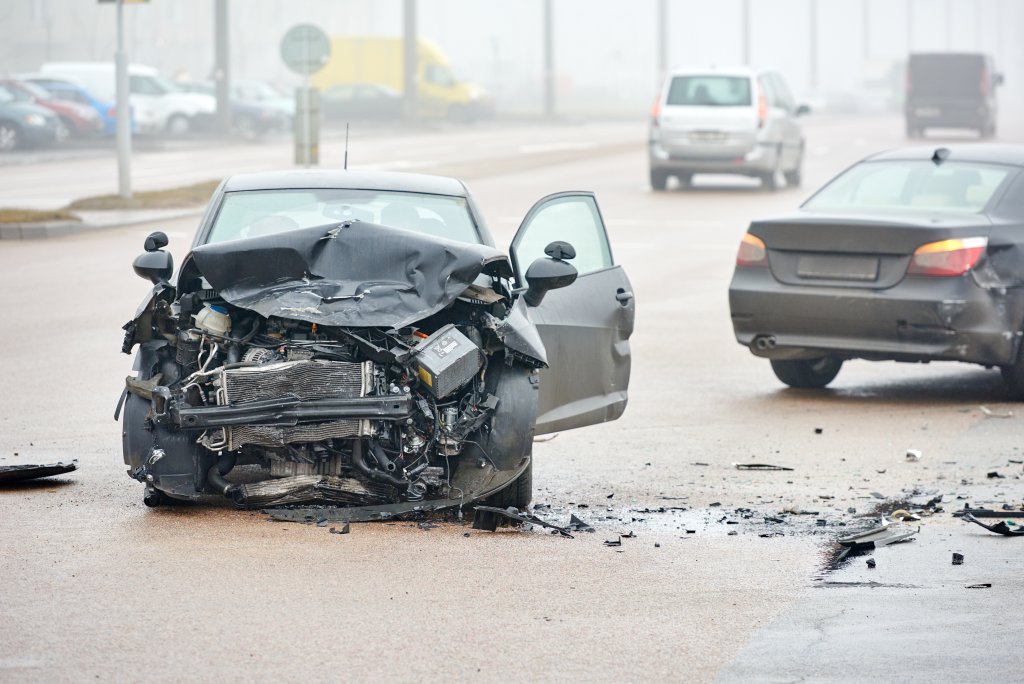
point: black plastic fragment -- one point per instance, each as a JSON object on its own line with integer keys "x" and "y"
{"x": 958, "y": 558}
{"x": 613, "y": 542}
{"x": 32, "y": 471}
{"x": 345, "y": 529}
{"x": 871, "y": 563}
{"x": 999, "y": 528}
{"x": 986, "y": 513}
{"x": 577, "y": 525}
{"x": 983, "y": 585}
{"x": 759, "y": 466}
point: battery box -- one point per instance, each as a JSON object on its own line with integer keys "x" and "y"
{"x": 447, "y": 360}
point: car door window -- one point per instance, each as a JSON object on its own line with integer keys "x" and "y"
{"x": 572, "y": 218}
{"x": 143, "y": 85}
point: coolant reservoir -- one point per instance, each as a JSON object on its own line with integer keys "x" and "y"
{"x": 214, "y": 320}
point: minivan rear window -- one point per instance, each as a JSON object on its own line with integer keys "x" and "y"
{"x": 709, "y": 91}
{"x": 946, "y": 76}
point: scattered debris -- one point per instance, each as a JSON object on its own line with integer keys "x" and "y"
{"x": 995, "y": 475}
{"x": 657, "y": 545}
{"x": 1002, "y": 527}
{"x": 984, "y": 585}
{"x": 877, "y": 537}
{"x": 759, "y": 466}
{"x": 628, "y": 535}
{"x": 548, "y": 438}
{"x": 610, "y": 495}
{"x": 767, "y": 535}
{"x": 700, "y": 464}
{"x": 427, "y": 525}
{"x": 871, "y": 563}
{"x": 774, "y": 520}
{"x": 818, "y": 431}
{"x": 913, "y": 455}
{"x": 577, "y": 525}
{"x": 489, "y": 523}
{"x": 733, "y": 533}
{"x": 715, "y": 504}
{"x": 878, "y": 495}
{"x": 346, "y": 528}
{"x": 958, "y": 558}
{"x": 691, "y": 531}
{"x": 613, "y": 542}
{"x": 32, "y": 471}
{"x": 904, "y": 515}
{"x": 989, "y": 413}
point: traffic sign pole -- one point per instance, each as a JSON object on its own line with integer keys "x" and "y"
{"x": 124, "y": 112}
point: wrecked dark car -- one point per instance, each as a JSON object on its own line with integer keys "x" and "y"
{"x": 909, "y": 255}
{"x": 355, "y": 339}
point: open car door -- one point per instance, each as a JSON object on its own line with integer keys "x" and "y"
{"x": 585, "y": 326}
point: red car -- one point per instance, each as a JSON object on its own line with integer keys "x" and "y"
{"x": 78, "y": 120}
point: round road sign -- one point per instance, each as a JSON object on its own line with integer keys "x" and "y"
{"x": 305, "y": 49}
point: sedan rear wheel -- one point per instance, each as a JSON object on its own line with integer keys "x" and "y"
{"x": 812, "y": 373}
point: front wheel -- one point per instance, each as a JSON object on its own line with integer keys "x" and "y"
{"x": 10, "y": 137}
{"x": 519, "y": 493}
{"x": 659, "y": 179}
{"x": 178, "y": 125}
{"x": 808, "y": 374}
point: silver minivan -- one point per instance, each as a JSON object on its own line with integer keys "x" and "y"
{"x": 737, "y": 121}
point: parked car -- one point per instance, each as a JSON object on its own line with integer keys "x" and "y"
{"x": 24, "y": 124}
{"x": 735, "y": 121}
{"x": 909, "y": 255}
{"x": 67, "y": 89}
{"x": 75, "y": 119}
{"x": 951, "y": 90}
{"x": 157, "y": 105}
{"x": 357, "y": 339}
{"x": 361, "y": 102}
{"x": 256, "y": 108}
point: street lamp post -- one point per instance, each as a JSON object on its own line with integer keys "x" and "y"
{"x": 124, "y": 112}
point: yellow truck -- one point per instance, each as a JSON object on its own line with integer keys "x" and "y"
{"x": 379, "y": 60}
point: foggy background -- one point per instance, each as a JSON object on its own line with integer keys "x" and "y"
{"x": 605, "y": 50}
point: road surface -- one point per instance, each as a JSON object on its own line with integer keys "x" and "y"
{"x": 93, "y": 585}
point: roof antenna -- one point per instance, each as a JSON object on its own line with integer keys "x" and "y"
{"x": 346, "y": 147}
{"x": 940, "y": 155}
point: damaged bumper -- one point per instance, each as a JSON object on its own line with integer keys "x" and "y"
{"x": 920, "y": 319}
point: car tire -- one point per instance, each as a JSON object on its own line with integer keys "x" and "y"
{"x": 808, "y": 373}
{"x": 795, "y": 177}
{"x": 10, "y": 136}
{"x": 247, "y": 128}
{"x": 685, "y": 180}
{"x": 659, "y": 179}
{"x": 518, "y": 494}
{"x": 178, "y": 124}
{"x": 63, "y": 131}
{"x": 770, "y": 179}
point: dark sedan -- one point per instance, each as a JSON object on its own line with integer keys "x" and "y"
{"x": 361, "y": 102}
{"x": 909, "y": 255}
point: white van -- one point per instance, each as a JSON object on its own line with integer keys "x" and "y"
{"x": 737, "y": 121}
{"x": 157, "y": 105}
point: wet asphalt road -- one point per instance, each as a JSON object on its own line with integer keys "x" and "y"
{"x": 95, "y": 586}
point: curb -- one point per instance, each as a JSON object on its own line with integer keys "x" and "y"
{"x": 117, "y": 219}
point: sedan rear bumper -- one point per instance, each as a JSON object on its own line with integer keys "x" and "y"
{"x": 920, "y": 319}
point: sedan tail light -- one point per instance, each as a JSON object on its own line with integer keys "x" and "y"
{"x": 656, "y": 112}
{"x": 752, "y": 252}
{"x": 947, "y": 257}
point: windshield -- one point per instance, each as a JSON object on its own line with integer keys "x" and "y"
{"x": 35, "y": 91}
{"x": 16, "y": 93}
{"x": 5, "y": 95}
{"x": 262, "y": 212}
{"x": 709, "y": 91}
{"x": 921, "y": 186}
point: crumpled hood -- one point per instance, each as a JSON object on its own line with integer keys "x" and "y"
{"x": 349, "y": 274}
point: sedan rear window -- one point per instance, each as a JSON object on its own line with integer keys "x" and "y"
{"x": 262, "y": 212}
{"x": 951, "y": 187}
{"x": 709, "y": 91}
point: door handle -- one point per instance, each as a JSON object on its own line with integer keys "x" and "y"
{"x": 623, "y": 296}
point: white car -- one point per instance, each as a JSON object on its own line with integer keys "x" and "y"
{"x": 736, "y": 121}
{"x": 157, "y": 105}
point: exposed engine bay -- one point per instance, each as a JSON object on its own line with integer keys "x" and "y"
{"x": 289, "y": 408}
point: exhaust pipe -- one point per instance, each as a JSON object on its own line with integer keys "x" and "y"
{"x": 764, "y": 342}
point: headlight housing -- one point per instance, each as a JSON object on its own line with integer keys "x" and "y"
{"x": 35, "y": 119}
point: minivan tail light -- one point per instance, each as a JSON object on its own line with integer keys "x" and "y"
{"x": 983, "y": 84}
{"x": 762, "y": 109}
{"x": 656, "y": 111}
{"x": 752, "y": 251}
{"x": 953, "y": 257}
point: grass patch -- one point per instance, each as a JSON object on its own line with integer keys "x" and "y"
{"x": 35, "y": 216}
{"x": 175, "y": 198}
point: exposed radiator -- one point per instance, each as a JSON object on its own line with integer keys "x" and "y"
{"x": 301, "y": 379}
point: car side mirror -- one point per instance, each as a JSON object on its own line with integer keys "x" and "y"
{"x": 154, "y": 264}
{"x": 803, "y": 109}
{"x": 551, "y": 272}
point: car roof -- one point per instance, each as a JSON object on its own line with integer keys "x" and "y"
{"x": 397, "y": 181}
{"x": 969, "y": 152}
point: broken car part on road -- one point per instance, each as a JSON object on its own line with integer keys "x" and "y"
{"x": 23, "y": 472}
{"x": 1002, "y": 527}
